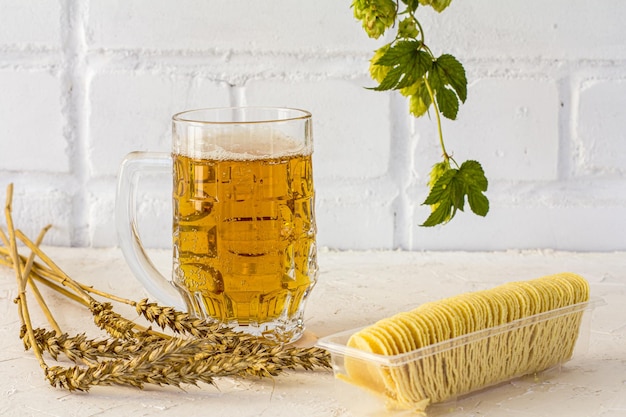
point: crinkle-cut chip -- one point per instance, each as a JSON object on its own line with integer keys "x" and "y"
{"x": 405, "y": 323}
{"x": 455, "y": 325}
{"x": 441, "y": 319}
{"x": 576, "y": 285}
{"x": 470, "y": 314}
{"x": 486, "y": 315}
{"x": 499, "y": 308}
{"x": 567, "y": 289}
{"x": 421, "y": 329}
{"x": 523, "y": 300}
{"x": 581, "y": 286}
{"x": 551, "y": 298}
{"x": 383, "y": 341}
{"x": 561, "y": 296}
{"x": 475, "y": 299}
{"x": 419, "y": 339}
{"x": 536, "y": 300}
{"x": 517, "y": 306}
{"x": 513, "y": 308}
{"x": 403, "y": 333}
{"x": 369, "y": 340}
{"x": 548, "y": 298}
{"x": 398, "y": 341}
{"x": 435, "y": 326}
{"x": 420, "y": 336}
{"x": 481, "y": 301}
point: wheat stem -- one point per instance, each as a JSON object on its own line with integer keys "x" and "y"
{"x": 31, "y": 257}
{"x": 5, "y": 240}
{"x": 21, "y": 280}
{"x": 43, "y": 276}
{"x": 62, "y": 276}
{"x": 27, "y": 273}
{"x": 112, "y": 297}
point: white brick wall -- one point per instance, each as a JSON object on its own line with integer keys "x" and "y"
{"x": 82, "y": 83}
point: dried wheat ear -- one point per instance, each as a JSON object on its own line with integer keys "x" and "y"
{"x": 192, "y": 351}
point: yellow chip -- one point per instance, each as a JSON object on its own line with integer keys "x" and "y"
{"x": 499, "y": 306}
{"x": 420, "y": 335}
{"x": 481, "y": 300}
{"x": 390, "y": 329}
{"x": 535, "y": 297}
{"x": 470, "y": 314}
{"x": 552, "y": 297}
{"x": 514, "y": 309}
{"x": 436, "y": 325}
{"x": 456, "y": 325}
{"x": 421, "y": 326}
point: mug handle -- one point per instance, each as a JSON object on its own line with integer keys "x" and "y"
{"x": 135, "y": 164}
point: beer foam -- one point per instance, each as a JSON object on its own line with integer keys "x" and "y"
{"x": 237, "y": 143}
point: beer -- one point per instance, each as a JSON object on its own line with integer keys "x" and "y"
{"x": 244, "y": 232}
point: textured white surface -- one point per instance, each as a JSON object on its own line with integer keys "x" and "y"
{"x": 354, "y": 289}
{"x": 85, "y": 82}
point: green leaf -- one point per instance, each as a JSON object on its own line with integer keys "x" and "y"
{"x": 447, "y": 79}
{"x": 416, "y": 69}
{"x": 475, "y": 183}
{"x": 439, "y": 190}
{"x": 400, "y": 53}
{"x": 478, "y": 203}
{"x": 451, "y": 72}
{"x": 448, "y": 102}
{"x": 408, "y": 65}
{"x": 447, "y": 195}
{"x": 439, "y": 215}
{"x": 390, "y": 81}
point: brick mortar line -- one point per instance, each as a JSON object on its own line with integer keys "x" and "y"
{"x": 75, "y": 109}
{"x": 401, "y": 164}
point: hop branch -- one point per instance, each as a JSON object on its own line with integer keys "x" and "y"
{"x": 408, "y": 65}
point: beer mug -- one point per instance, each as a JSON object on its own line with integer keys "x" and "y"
{"x": 243, "y": 233}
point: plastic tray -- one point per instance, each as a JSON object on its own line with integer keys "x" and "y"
{"x": 384, "y": 367}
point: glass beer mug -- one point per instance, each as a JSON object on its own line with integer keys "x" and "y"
{"x": 243, "y": 233}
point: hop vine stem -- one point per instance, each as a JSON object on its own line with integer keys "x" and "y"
{"x": 431, "y": 93}
{"x": 445, "y": 155}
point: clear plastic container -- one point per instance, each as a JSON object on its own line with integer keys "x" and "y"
{"x": 408, "y": 383}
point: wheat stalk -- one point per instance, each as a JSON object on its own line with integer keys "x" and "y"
{"x": 132, "y": 354}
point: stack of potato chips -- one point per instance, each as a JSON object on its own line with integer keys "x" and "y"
{"x": 494, "y": 348}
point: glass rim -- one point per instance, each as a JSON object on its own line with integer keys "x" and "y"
{"x": 298, "y": 114}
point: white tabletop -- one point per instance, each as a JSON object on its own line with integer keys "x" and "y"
{"x": 354, "y": 289}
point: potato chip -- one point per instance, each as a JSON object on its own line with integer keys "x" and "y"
{"x": 480, "y": 361}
